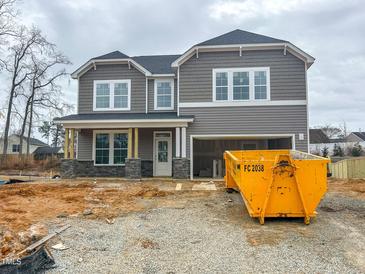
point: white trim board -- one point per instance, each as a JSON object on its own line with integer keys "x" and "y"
{"x": 156, "y": 81}
{"x": 226, "y": 136}
{"x": 242, "y": 47}
{"x": 111, "y": 150}
{"x": 112, "y": 95}
{"x": 169, "y": 151}
{"x": 125, "y": 124}
{"x": 244, "y": 103}
{"x": 230, "y": 85}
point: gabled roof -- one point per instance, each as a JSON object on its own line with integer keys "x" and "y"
{"x": 317, "y": 136}
{"x": 47, "y": 150}
{"x": 111, "y": 55}
{"x": 238, "y": 36}
{"x": 157, "y": 64}
{"x": 243, "y": 40}
{"x": 360, "y": 134}
{"x": 152, "y": 65}
{"x": 32, "y": 141}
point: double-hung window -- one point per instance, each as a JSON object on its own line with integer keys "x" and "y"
{"x": 112, "y": 95}
{"x": 164, "y": 94}
{"x": 110, "y": 147}
{"x": 241, "y": 84}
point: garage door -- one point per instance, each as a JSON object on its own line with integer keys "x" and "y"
{"x": 208, "y": 152}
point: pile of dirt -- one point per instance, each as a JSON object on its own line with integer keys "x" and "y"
{"x": 26, "y": 204}
{"x": 12, "y": 242}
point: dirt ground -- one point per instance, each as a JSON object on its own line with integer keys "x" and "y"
{"x": 51, "y": 202}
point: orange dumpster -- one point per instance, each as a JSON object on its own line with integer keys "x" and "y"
{"x": 277, "y": 183}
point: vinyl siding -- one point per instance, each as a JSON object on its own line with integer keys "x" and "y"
{"x": 112, "y": 72}
{"x": 287, "y": 73}
{"x": 249, "y": 120}
{"x": 85, "y": 143}
{"x": 151, "y": 97}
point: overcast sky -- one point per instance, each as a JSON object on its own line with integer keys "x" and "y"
{"x": 333, "y": 31}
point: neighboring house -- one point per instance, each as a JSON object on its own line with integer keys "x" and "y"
{"x": 173, "y": 115}
{"x": 14, "y": 144}
{"x": 356, "y": 137}
{"x": 43, "y": 153}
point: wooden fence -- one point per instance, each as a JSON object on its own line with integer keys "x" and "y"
{"x": 349, "y": 168}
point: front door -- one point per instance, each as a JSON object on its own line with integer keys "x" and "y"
{"x": 162, "y": 153}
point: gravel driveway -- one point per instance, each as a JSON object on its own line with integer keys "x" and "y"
{"x": 213, "y": 234}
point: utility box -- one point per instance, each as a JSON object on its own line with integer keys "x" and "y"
{"x": 277, "y": 183}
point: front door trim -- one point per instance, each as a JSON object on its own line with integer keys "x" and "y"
{"x": 169, "y": 153}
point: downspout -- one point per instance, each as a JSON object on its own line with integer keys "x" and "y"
{"x": 146, "y": 95}
{"x": 307, "y": 101}
{"x": 178, "y": 91}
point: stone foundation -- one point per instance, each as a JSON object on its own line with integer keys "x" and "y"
{"x": 133, "y": 168}
{"x": 74, "y": 168}
{"x": 180, "y": 168}
{"x": 147, "y": 168}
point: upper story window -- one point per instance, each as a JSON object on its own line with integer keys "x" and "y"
{"x": 164, "y": 94}
{"x": 112, "y": 95}
{"x": 241, "y": 84}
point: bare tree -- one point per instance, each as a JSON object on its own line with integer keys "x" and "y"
{"x": 17, "y": 65}
{"x": 45, "y": 93}
{"x": 7, "y": 15}
{"x": 330, "y": 131}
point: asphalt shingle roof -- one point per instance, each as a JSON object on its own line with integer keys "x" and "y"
{"x": 317, "y": 136}
{"x": 122, "y": 116}
{"x": 47, "y": 150}
{"x": 240, "y": 37}
{"x": 360, "y": 135}
{"x": 161, "y": 64}
{"x": 157, "y": 64}
{"x": 33, "y": 141}
{"x": 112, "y": 55}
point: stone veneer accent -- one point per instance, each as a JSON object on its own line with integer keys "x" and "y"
{"x": 133, "y": 168}
{"x": 74, "y": 168}
{"x": 180, "y": 168}
{"x": 147, "y": 168}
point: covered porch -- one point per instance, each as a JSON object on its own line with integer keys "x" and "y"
{"x": 143, "y": 146}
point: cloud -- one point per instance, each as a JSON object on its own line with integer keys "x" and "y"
{"x": 330, "y": 30}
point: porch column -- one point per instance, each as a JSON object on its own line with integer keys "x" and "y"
{"x": 65, "y": 150}
{"x": 177, "y": 136}
{"x": 130, "y": 142}
{"x": 183, "y": 142}
{"x": 136, "y": 143}
{"x": 72, "y": 144}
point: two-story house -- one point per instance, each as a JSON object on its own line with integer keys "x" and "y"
{"x": 174, "y": 115}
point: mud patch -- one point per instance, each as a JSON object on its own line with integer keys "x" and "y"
{"x": 260, "y": 237}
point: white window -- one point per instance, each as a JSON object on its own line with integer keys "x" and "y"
{"x": 164, "y": 94}
{"x": 112, "y": 95}
{"x": 241, "y": 84}
{"x": 110, "y": 147}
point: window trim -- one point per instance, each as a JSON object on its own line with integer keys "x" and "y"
{"x": 111, "y": 94}
{"x": 111, "y": 146}
{"x": 172, "y": 94}
{"x": 251, "y": 71}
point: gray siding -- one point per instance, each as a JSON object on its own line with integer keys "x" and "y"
{"x": 249, "y": 120}
{"x": 112, "y": 72}
{"x": 85, "y": 143}
{"x": 287, "y": 73}
{"x": 151, "y": 97}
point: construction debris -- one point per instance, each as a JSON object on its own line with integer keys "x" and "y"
{"x": 60, "y": 246}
